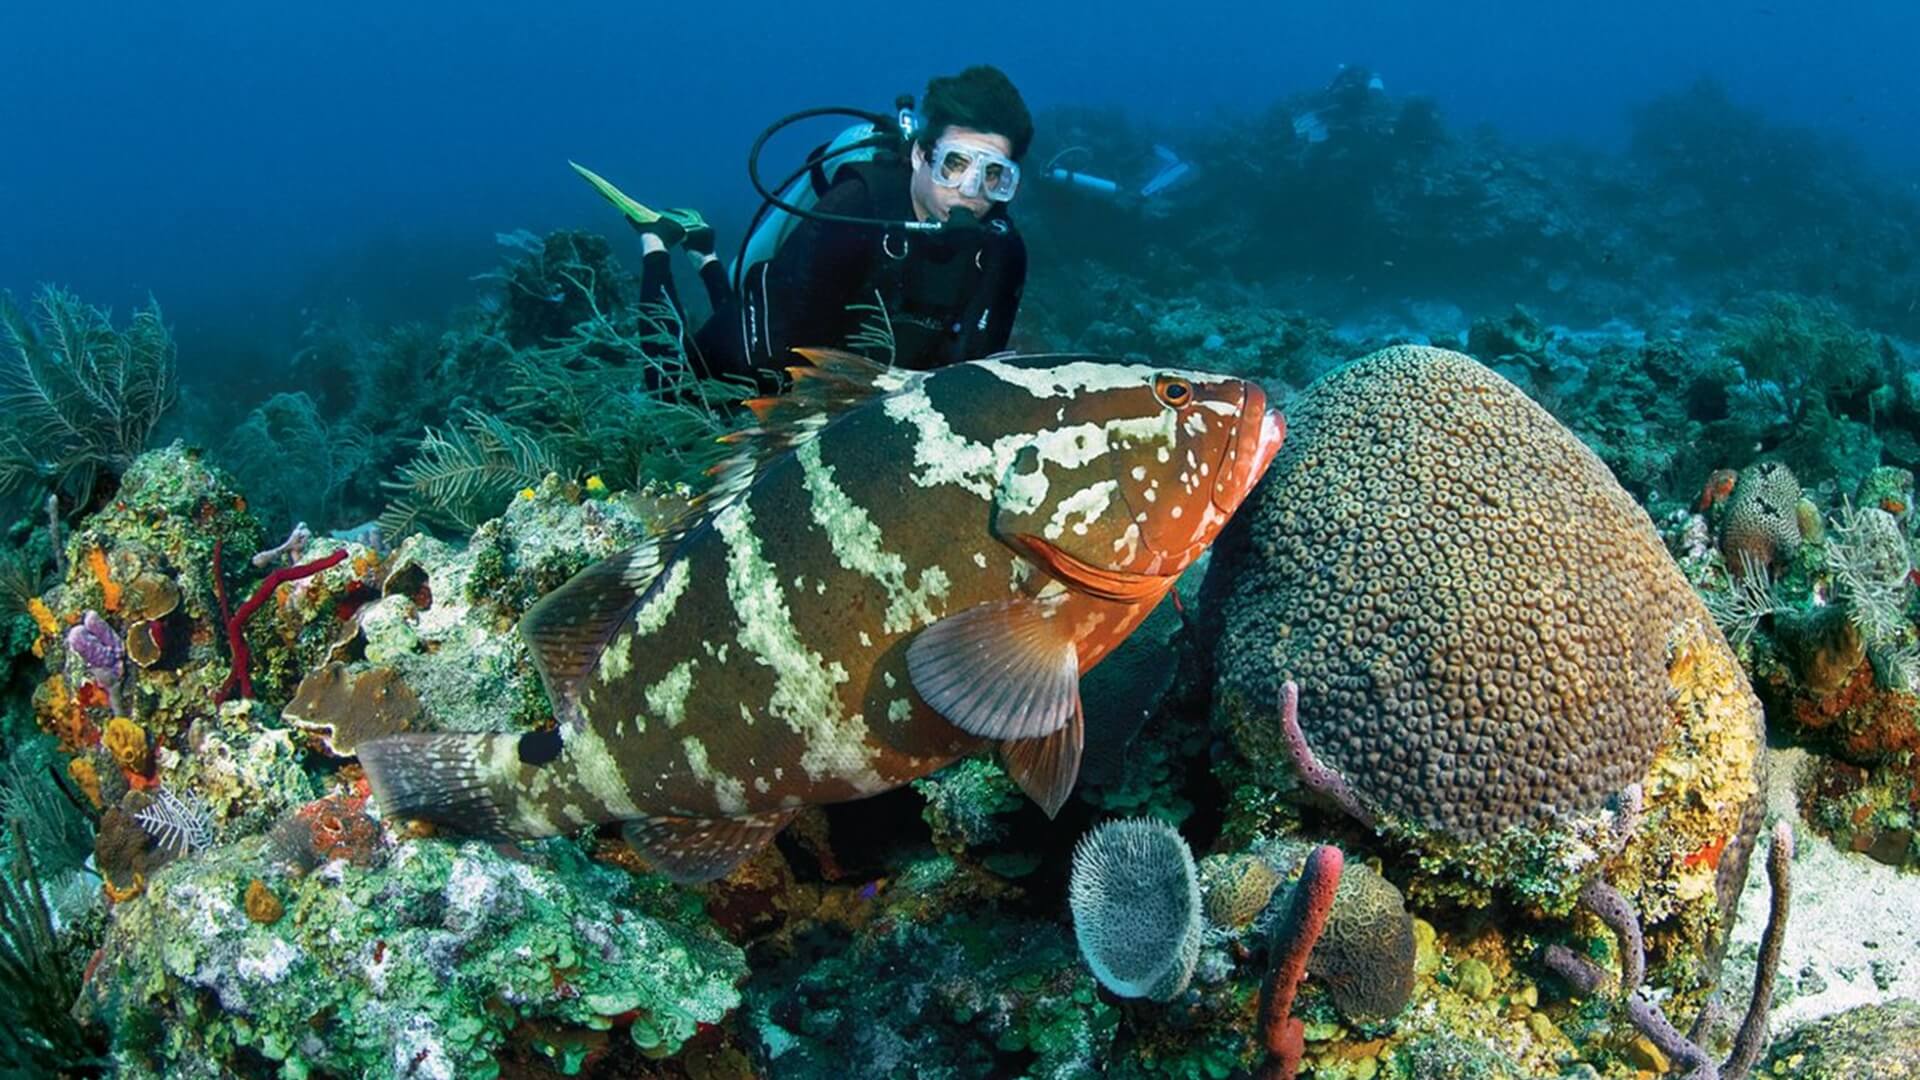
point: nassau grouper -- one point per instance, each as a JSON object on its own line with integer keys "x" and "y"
{"x": 900, "y": 569}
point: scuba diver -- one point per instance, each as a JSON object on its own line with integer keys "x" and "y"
{"x": 1354, "y": 108}
{"x": 897, "y": 231}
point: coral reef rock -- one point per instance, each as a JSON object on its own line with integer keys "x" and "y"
{"x": 424, "y": 967}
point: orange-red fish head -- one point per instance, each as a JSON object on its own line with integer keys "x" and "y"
{"x": 1225, "y": 439}
{"x": 1135, "y": 481}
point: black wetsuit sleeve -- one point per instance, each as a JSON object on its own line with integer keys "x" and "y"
{"x": 821, "y": 268}
{"x": 1010, "y": 280}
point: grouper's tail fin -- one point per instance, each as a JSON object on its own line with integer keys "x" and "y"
{"x": 468, "y": 783}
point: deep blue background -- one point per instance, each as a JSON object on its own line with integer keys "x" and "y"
{"x": 242, "y": 160}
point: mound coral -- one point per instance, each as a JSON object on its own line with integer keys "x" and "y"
{"x": 1500, "y": 669}
{"x": 1237, "y": 888}
{"x": 1477, "y": 615}
{"x": 1365, "y": 957}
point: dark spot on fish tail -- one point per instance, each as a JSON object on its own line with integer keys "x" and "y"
{"x": 539, "y": 747}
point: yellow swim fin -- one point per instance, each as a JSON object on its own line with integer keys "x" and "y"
{"x": 640, "y": 215}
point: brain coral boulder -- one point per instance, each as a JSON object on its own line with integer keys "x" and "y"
{"x": 1485, "y": 628}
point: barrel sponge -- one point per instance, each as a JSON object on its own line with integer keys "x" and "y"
{"x": 1476, "y": 613}
{"x": 1136, "y": 907}
{"x": 1762, "y": 520}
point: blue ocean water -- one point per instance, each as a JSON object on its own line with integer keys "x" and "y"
{"x": 242, "y": 162}
{"x": 1652, "y": 536}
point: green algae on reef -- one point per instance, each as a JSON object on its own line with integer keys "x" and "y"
{"x": 426, "y": 966}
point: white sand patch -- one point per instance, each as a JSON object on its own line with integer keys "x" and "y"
{"x": 1853, "y": 934}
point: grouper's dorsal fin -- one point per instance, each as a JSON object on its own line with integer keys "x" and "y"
{"x": 828, "y": 384}
{"x": 833, "y": 380}
{"x": 570, "y": 627}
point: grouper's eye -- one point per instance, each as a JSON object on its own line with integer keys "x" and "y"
{"x": 1173, "y": 391}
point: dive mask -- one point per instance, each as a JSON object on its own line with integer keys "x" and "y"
{"x": 974, "y": 170}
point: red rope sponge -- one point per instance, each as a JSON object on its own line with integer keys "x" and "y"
{"x": 242, "y": 675}
{"x": 1283, "y": 1034}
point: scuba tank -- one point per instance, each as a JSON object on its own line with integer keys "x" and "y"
{"x": 773, "y": 225}
{"x": 1172, "y": 171}
{"x": 782, "y": 211}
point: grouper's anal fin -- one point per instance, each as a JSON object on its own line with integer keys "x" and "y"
{"x": 570, "y": 627}
{"x": 690, "y": 850}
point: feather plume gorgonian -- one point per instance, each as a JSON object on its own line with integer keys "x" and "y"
{"x": 180, "y": 824}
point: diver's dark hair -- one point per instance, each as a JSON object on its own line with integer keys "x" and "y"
{"x": 981, "y": 98}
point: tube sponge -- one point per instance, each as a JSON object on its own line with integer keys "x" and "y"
{"x": 1136, "y": 907}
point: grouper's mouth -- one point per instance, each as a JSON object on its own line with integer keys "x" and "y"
{"x": 1246, "y": 458}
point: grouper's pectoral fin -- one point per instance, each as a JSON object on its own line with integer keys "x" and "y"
{"x": 690, "y": 850}
{"x": 1001, "y": 670}
{"x": 1046, "y": 768}
{"x": 1009, "y": 671}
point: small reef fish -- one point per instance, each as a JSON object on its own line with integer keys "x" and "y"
{"x": 900, "y": 569}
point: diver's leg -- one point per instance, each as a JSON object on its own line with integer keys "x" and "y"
{"x": 714, "y": 277}
{"x": 657, "y": 288}
{"x": 656, "y": 273}
{"x": 698, "y": 241}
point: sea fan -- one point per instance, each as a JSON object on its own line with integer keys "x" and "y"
{"x": 182, "y": 825}
{"x": 467, "y": 473}
{"x": 1870, "y": 564}
{"x": 78, "y": 397}
{"x": 39, "y": 1035}
{"x": 32, "y": 803}
{"x": 19, "y": 583}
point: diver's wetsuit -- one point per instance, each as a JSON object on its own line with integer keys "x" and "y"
{"x": 949, "y": 296}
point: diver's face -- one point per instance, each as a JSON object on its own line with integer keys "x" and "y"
{"x": 930, "y": 200}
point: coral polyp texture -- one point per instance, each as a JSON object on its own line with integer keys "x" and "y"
{"x": 1478, "y": 616}
{"x": 1365, "y": 955}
